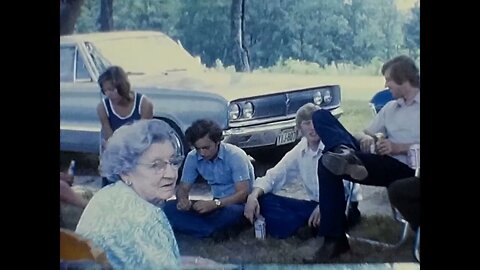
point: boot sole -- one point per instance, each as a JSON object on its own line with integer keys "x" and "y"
{"x": 339, "y": 166}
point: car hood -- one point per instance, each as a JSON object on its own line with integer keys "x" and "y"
{"x": 231, "y": 86}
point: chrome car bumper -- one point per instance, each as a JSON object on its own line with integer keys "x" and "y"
{"x": 263, "y": 135}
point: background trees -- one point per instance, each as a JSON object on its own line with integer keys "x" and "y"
{"x": 320, "y": 31}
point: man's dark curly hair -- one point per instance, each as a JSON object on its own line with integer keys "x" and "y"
{"x": 202, "y": 127}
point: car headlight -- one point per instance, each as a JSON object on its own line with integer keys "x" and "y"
{"x": 317, "y": 98}
{"x": 327, "y": 96}
{"x": 248, "y": 110}
{"x": 233, "y": 111}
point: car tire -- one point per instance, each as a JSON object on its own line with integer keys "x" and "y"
{"x": 181, "y": 143}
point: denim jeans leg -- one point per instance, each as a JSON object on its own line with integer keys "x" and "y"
{"x": 188, "y": 222}
{"x": 203, "y": 225}
{"x": 228, "y": 217}
{"x": 332, "y": 132}
{"x": 284, "y": 216}
{"x": 332, "y": 203}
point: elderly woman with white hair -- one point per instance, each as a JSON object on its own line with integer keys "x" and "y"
{"x": 125, "y": 219}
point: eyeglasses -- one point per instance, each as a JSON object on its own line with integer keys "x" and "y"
{"x": 160, "y": 166}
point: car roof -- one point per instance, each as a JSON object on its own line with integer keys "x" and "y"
{"x": 98, "y": 36}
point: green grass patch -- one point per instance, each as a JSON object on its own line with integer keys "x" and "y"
{"x": 357, "y": 115}
{"x": 245, "y": 248}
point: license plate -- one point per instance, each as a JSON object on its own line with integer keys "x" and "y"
{"x": 286, "y": 136}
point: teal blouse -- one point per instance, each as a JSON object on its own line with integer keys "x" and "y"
{"x": 134, "y": 233}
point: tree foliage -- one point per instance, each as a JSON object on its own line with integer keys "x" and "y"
{"x": 69, "y": 13}
{"x": 412, "y": 32}
{"x": 325, "y": 32}
{"x": 105, "y": 18}
{"x": 237, "y": 30}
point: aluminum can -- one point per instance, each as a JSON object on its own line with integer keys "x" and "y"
{"x": 376, "y": 137}
{"x": 414, "y": 156}
{"x": 71, "y": 168}
{"x": 259, "y": 224}
{"x": 379, "y": 136}
{"x": 373, "y": 149}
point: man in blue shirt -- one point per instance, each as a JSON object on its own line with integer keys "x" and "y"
{"x": 228, "y": 171}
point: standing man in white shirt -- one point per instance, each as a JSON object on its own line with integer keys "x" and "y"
{"x": 283, "y": 215}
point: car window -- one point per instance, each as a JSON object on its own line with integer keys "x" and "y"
{"x": 67, "y": 56}
{"x": 100, "y": 62}
{"x": 82, "y": 72}
{"x": 69, "y": 67}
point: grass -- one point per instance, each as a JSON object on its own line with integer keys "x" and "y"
{"x": 245, "y": 248}
{"x": 357, "y": 115}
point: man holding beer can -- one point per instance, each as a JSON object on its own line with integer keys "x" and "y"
{"x": 284, "y": 216}
{"x": 349, "y": 157}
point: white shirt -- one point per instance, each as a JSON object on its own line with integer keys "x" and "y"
{"x": 299, "y": 163}
{"x": 399, "y": 122}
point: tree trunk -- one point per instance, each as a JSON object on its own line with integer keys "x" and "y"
{"x": 239, "y": 48}
{"x": 69, "y": 13}
{"x": 105, "y": 19}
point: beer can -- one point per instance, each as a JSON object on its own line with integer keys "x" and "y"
{"x": 414, "y": 156}
{"x": 377, "y": 136}
{"x": 260, "y": 232}
{"x": 71, "y": 168}
{"x": 373, "y": 149}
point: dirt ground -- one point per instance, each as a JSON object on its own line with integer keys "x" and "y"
{"x": 377, "y": 223}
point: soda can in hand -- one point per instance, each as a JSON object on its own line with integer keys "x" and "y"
{"x": 414, "y": 156}
{"x": 377, "y": 136}
{"x": 71, "y": 168}
{"x": 259, "y": 225}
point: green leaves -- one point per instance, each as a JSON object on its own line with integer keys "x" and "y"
{"x": 320, "y": 31}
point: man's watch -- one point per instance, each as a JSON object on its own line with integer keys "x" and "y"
{"x": 218, "y": 203}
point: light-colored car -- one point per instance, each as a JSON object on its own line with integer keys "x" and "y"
{"x": 256, "y": 111}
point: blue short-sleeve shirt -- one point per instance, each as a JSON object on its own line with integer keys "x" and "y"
{"x": 230, "y": 166}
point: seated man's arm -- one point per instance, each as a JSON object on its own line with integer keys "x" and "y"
{"x": 252, "y": 207}
{"x": 183, "y": 202}
{"x": 189, "y": 175}
{"x": 366, "y": 138}
{"x": 240, "y": 195}
{"x": 274, "y": 179}
{"x": 386, "y": 147}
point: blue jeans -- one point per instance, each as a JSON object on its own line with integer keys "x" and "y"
{"x": 284, "y": 216}
{"x": 203, "y": 225}
{"x": 382, "y": 171}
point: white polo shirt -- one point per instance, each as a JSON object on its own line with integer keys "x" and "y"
{"x": 400, "y": 123}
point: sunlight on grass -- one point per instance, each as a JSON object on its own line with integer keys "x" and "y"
{"x": 405, "y": 5}
{"x": 357, "y": 115}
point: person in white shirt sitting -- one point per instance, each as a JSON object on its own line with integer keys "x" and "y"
{"x": 285, "y": 216}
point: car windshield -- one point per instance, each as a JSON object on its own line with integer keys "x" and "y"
{"x": 147, "y": 54}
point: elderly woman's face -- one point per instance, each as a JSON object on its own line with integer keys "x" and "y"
{"x": 155, "y": 176}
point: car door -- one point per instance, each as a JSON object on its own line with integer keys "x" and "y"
{"x": 79, "y": 97}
